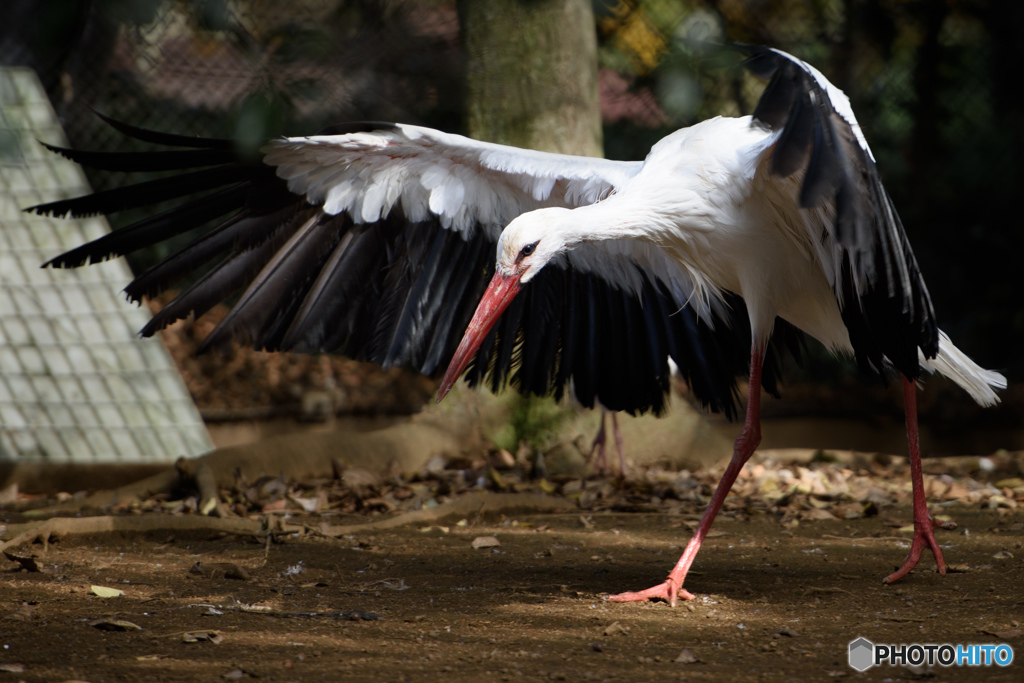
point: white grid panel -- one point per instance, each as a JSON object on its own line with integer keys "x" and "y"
{"x": 77, "y": 384}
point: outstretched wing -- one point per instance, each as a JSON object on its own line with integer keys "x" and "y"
{"x": 865, "y": 251}
{"x": 377, "y": 240}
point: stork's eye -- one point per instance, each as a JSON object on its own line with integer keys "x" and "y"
{"x": 526, "y": 251}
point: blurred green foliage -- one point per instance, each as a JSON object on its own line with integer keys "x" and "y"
{"x": 532, "y": 421}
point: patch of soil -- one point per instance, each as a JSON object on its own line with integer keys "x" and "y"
{"x": 775, "y": 600}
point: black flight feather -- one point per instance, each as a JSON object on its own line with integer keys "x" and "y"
{"x": 166, "y": 139}
{"x": 152, "y": 230}
{"x": 146, "y": 193}
{"x": 133, "y": 162}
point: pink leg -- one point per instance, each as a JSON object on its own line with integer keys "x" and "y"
{"x": 672, "y": 588}
{"x": 600, "y": 440}
{"x": 600, "y": 463}
{"x": 924, "y": 525}
{"x": 618, "y": 444}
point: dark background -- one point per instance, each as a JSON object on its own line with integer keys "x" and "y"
{"x": 936, "y": 87}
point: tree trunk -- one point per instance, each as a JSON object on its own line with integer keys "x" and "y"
{"x": 531, "y": 76}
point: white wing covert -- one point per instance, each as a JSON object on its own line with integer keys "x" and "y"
{"x": 463, "y": 182}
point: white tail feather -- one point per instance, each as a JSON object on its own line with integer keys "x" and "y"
{"x": 975, "y": 380}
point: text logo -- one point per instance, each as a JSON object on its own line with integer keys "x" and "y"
{"x": 863, "y": 654}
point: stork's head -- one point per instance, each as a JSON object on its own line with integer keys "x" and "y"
{"x": 530, "y": 242}
{"x": 524, "y": 248}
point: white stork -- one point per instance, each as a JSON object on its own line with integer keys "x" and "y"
{"x": 787, "y": 210}
{"x": 375, "y": 241}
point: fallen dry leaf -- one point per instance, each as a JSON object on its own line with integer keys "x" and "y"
{"x": 307, "y": 504}
{"x": 276, "y": 506}
{"x": 501, "y": 459}
{"x": 115, "y": 625}
{"x": 485, "y": 542}
{"x": 236, "y": 674}
{"x": 105, "y": 592}
{"x": 615, "y": 628}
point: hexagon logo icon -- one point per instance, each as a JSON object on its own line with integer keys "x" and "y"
{"x": 862, "y": 654}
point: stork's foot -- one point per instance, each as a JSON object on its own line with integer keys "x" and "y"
{"x": 669, "y": 591}
{"x": 923, "y": 536}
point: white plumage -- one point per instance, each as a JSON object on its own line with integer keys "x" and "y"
{"x": 465, "y": 183}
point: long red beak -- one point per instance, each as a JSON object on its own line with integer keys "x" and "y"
{"x": 499, "y": 295}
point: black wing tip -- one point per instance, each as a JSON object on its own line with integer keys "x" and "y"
{"x": 61, "y": 262}
{"x": 65, "y": 152}
{"x": 43, "y": 210}
{"x": 167, "y": 139}
{"x": 120, "y": 126}
{"x": 158, "y": 324}
{"x": 76, "y": 258}
{"x": 59, "y": 209}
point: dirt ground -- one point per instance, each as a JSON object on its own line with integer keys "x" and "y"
{"x": 777, "y": 599}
